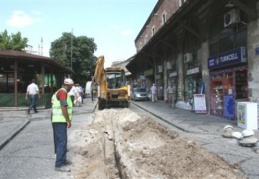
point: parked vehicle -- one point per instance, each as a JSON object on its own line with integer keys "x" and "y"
{"x": 139, "y": 94}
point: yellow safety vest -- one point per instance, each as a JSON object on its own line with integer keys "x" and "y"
{"x": 57, "y": 115}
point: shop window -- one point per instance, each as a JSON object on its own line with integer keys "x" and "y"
{"x": 227, "y": 88}
{"x": 6, "y": 83}
{"x": 227, "y": 43}
{"x": 3, "y": 83}
{"x": 192, "y": 84}
{"x": 241, "y": 38}
{"x": 221, "y": 87}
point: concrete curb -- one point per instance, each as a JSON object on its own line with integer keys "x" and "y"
{"x": 16, "y": 131}
{"x": 159, "y": 117}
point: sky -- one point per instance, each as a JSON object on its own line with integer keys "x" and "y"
{"x": 113, "y": 24}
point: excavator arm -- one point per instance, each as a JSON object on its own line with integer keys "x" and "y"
{"x": 100, "y": 81}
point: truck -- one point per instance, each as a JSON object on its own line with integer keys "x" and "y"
{"x": 112, "y": 88}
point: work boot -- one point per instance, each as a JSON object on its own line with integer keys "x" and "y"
{"x": 62, "y": 169}
{"x": 68, "y": 162}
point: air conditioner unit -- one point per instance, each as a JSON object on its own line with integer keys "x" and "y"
{"x": 187, "y": 57}
{"x": 232, "y": 17}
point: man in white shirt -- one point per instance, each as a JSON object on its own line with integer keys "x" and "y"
{"x": 153, "y": 92}
{"x": 32, "y": 92}
{"x": 72, "y": 93}
{"x": 78, "y": 98}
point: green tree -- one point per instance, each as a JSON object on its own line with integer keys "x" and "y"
{"x": 83, "y": 59}
{"x": 13, "y": 41}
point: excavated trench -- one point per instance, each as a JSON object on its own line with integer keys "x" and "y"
{"x": 121, "y": 144}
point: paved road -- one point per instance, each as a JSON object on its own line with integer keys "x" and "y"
{"x": 29, "y": 153}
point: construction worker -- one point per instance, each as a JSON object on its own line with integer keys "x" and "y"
{"x": 61, "y": 120}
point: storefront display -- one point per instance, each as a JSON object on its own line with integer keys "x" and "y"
{"x": 221, "y": 85}
{"x": 227, "y": 86}
{"x": 192, "y": 84}
{"x": 228, "y": 82}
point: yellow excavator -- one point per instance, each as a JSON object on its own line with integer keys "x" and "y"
{"x": 111, "y": 84}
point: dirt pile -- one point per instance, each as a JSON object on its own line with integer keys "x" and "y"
{"x": 121, "y": 144}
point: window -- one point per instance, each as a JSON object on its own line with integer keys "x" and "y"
{"x": 153, "y": 31}
{"x": 181, "y": 2}
{"x": 145, "y": 40}
{"x": 140, "y": 45}
{"x": 164, "y": 18}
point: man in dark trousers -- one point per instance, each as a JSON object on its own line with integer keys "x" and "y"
{"x": 61, "y": 120}
{"x": 32, "y": 92}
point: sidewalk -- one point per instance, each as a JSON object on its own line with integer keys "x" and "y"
{"x": 188, "y": 121}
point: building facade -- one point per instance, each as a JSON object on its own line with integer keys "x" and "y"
{"x": 203, "y": 47}
{"x": 17, "y": 69}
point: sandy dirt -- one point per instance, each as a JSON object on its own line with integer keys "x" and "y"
{"x": 121, "y": 144}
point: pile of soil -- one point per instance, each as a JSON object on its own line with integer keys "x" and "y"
{"x": 121, "y": 144}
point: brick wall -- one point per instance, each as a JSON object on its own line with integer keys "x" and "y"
{"x": 155, "y": 21}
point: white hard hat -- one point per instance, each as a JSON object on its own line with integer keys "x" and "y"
{"x": 68, "y": 81}
{"x": 248, "y": 132}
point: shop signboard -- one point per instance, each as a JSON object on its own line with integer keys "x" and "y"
{"x": 158, "y": 77}
{"x": 234, "y": 56}
{"x": 148, "y": 72}
{"x": 193, "y": 71}
{"x": 199, "y": 103}
{"x": 173, "y": 74}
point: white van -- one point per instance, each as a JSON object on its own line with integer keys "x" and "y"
{"x": 88, "y": 88}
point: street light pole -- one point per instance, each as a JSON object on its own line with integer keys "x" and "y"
{"x": 71, "y": 48}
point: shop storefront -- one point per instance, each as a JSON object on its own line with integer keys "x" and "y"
{"x": 160, "y": 83}
{"x": 192, "y": 83}
{"x": 172, "y": 78}
{"x": 172, "y": 75}
{"x": 228, "y": 84}
{"x": 149, "y": 78}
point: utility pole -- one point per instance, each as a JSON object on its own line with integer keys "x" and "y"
{"x": 71, "y": 48}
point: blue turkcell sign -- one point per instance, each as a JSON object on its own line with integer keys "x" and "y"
{"x": 233, "y": 56}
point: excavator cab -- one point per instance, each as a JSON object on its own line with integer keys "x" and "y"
{"x": 112, "y": 88}
{"x": 115, "y": 78}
